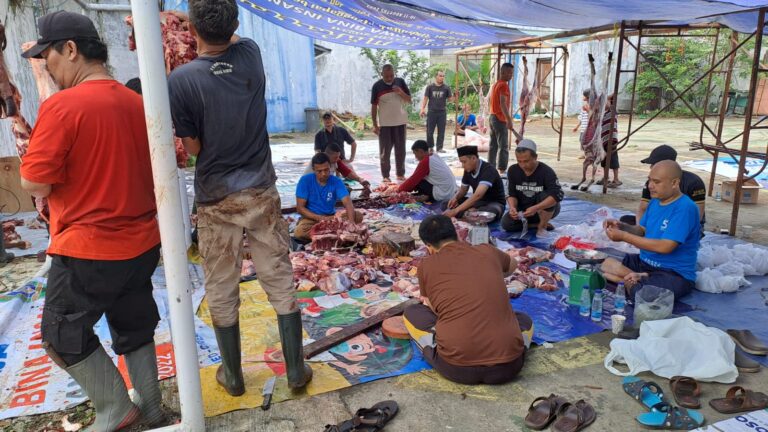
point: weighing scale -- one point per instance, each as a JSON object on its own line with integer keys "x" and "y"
{"x": 479, "y": 232}
{"x": 590, "y": 276}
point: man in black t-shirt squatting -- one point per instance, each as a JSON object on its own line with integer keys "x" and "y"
{"x": 533, "y": 190}
{"x": 485, "y": 181}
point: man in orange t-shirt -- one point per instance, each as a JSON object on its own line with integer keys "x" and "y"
{"x": 89, "y": 155}
{"x": 501, "y": 120}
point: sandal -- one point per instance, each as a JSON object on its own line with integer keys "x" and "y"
{"x": 647, "y": 393}
{"x": 668, "y": 417}
{"x": 541, "y": 415}
{"x": 614, "y": 184}
{"x": 574, "y": 417}
{"x": 739, "y": 399}
{"x": 744, "y": 363}
{"x": 747, "y": 341}
{"x": 367, "y": 419}
{"x": 686, "y": 391}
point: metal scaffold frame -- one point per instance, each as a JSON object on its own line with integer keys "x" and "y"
{"x": 626, "y": 31}
{"x": 558, "y": 54}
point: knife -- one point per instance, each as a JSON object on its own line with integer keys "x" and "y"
{"x": 269, "y": 388}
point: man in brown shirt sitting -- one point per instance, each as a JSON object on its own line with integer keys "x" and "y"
{"x": 466, "y": 327}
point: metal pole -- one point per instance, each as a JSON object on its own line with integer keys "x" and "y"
{"x": 723, "y": 109}
{"x": 562, "y": 100}
{"x": 634, "y": 81}
{"x": 456, "y": 119}
{"x": 614, "y": 109}
{"x": 748, "y": 119}
{"x": 709, "y": 84}
{"x": 185, "y": 211}
{"x": 165, "y": 174}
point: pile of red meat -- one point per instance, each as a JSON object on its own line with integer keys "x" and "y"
{"x": 388, "y": 194}
{"x": 333, "y": 272}
{"x": 329, "y": 272}
{"x": 338, "y": 233}
{"x": 539, "y": 277}
{"x": 12, "y": 239}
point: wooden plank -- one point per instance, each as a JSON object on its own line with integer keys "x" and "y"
{"x": 353, "y": 330}
{"x": 12, "y": 197}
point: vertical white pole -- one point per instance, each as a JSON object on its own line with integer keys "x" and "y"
{"x": 158, "y": 116}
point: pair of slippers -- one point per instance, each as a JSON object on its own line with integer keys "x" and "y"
{"x": 367, "y": 419}
{"x": 662, "y": 414}
{"x": 567, "y": 416}
{"x": 738, "y": 399}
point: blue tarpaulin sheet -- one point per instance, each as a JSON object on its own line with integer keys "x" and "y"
{"x": 430, "y": 24}
{"x": 377, "y": 24}
{"x": 555, "y": 320}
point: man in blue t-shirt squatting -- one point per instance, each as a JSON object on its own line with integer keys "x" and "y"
{"x": 316, "y": 197}
{"x": 667, "y": 236}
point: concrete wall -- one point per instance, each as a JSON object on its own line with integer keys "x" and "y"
{"x": 344, "y": 79}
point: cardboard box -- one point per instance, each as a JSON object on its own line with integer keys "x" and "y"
{"x": 749, "y": 191}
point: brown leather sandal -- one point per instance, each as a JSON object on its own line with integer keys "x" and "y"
{"x": 739, "y": 399}
{"x": 747, "y": 341}
{"x": 574, "y": 417}
{"x": 541, "y": 415}
{"x": 686, "y": 391}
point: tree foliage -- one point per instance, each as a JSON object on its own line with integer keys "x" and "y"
{"x": 682, "y": 61}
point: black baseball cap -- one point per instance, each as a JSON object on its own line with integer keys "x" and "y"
{"x": 661, "y": 153}
{"x": 58, "y": 26}
{"x": 327, "y": 114}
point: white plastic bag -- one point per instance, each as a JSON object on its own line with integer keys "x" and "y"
{"x": 676, "y": 346}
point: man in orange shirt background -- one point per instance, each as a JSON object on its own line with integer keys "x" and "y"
{"x": 89, "y": 155}
{"x": 501, "y": 120}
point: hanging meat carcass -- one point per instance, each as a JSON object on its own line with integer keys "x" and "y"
{"x": 591, "y": 143}
{"x": 8, "y": 107}
{"x": 528, "y": 97}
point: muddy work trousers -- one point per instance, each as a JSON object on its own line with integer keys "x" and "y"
{"x": 255, "y": 212}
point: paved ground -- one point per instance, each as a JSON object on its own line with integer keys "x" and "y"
{"x": 573, "y": 369}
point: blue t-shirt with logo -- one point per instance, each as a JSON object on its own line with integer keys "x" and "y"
{"x": 678, "y": 221}
{"x": 321, "y": 199}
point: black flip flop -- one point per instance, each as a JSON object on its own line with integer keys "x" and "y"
{"x": 367, "y": 419}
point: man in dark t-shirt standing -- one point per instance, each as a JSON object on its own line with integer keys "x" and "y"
{"x": 219, "y": 110}
{"x": 485, "y": 181}
{"x": 533, "y": 189}
{"x": 436, "y": 96}
{"x": 389, "y": 96}
{"x": 690, "y": 184}
{"x": 332, "y": 134}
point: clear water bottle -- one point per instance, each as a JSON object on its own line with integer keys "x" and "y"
{"x": 718, "y": 193}
{"x": 620, "y": 301}
{"x": 585, "y": 301}
{"x": 597, "y": 306}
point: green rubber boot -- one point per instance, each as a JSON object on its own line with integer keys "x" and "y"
{"x": 142, "y": 368}
{"x": 299, "y": 373}
{"x": 104, "y": 385}
{"x": 230, "y": 373}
